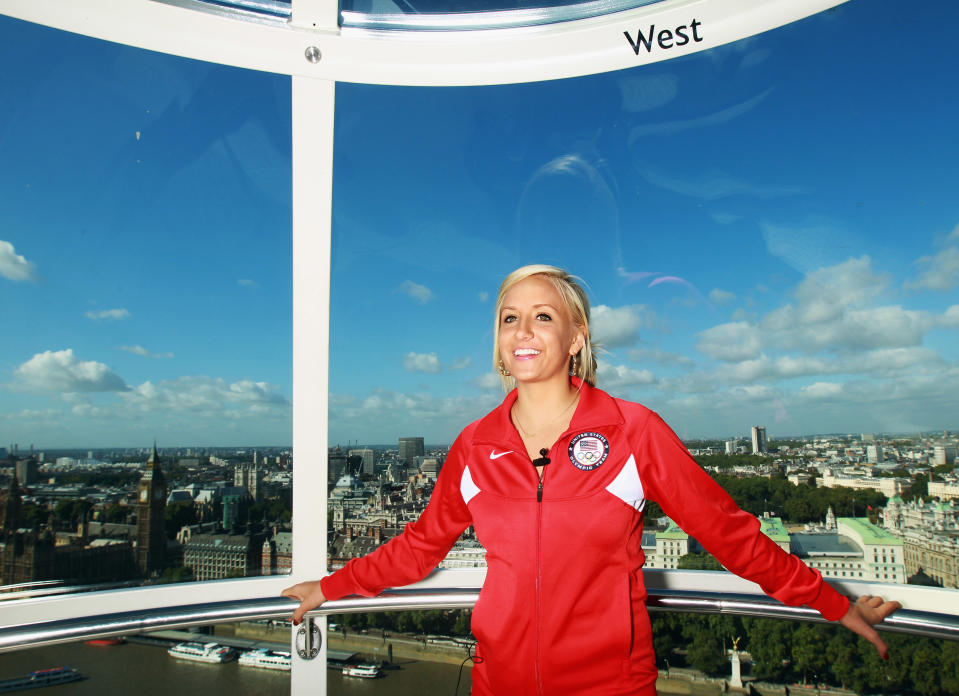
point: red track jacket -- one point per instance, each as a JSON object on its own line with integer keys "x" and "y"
{"x": 563, "y": 608}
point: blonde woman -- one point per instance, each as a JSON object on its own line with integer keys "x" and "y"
{"x": 554, "y": 481}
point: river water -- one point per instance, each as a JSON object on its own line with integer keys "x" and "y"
{"x": 147, "y": 670}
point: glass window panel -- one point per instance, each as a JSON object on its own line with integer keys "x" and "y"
{"x": 768, "y": 235}
{"x": 112, "y": 666}
{"x": 475, "y": 14}
{"x": 145, "y": 280}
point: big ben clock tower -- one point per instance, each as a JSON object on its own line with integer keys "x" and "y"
{"x": 151, "y": 509}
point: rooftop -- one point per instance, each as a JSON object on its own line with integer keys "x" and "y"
{"x": 823, "y": 544}
{"x": 870, "y": 533}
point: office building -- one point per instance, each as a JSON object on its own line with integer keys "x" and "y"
{"x": 410, "y": 448}
{"x": 759, "y": 439}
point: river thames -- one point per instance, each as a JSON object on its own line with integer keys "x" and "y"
{"x": 147, "y": 670}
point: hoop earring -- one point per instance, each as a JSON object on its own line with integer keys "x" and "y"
{"x": 502, "y": 369}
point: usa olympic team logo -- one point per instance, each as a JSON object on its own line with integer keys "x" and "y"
{"x": 588, "y": 450}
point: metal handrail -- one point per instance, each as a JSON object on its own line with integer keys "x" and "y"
{"x": 920, "y": 623}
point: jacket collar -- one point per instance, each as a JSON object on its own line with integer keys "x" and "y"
{"x": 596, "y": 409}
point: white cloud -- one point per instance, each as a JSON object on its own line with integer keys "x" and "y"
{"x": 483, "y": 296}
{"x": 950, "y": 318}
{"x": 247, "y": 283}
{"x": 140, "y": 350}
{"x": 384, "y": 415}
{"x": 62, "y": 371}
{"x": 726, "y": 218}
{"x": 660, "y": 356}
{"x": 612, "y": 376}
{"x": 821, "y": 390}
{"x": 879, "y": 327}
{"x": 852, "y": 283}
{"x": 461, "y": 364}
{"x": 721, "y": 297}
{"x": 939, "y": 272}
{"x": 418, "y": 293}
{"x": 13, "y": 266}
{"x": 489, "y": 380}
{"x": 421, "y": 362}
{"x": 617, "y": 326}
{"x": 207, "y": 394}
{"x": 33, "y": 414}
{"x": 112, "y": 314}
{"x": 809, "y": 244}
{"x": 734, "y": 341}
{"x": 716, "y": 185}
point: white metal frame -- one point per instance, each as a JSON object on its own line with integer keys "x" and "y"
{"x": 498, "y": 56}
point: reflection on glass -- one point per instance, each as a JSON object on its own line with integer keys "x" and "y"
{"x": 770, "y": 241}
{"x": 145, "y": 377}
{"x": 475, "y": 14}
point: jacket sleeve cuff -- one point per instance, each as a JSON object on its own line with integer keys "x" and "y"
{"x": 336, "y": 586}
{"x": 832, "y": 605}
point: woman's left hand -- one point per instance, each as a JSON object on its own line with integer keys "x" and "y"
{"x": 866, "y": 613}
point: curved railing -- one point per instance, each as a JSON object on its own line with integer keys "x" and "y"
{"x": 920, "y": 623}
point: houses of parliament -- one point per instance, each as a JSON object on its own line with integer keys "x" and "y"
{"x": 31, "y": 555}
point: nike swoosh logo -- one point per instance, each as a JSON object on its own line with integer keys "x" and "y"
{"x": 497, "y": 455}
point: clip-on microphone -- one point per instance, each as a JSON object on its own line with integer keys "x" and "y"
{"x": 543, "y": 459}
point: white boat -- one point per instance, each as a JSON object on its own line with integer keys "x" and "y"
{"x": 266, "y": 659}
{"x": 364, "y": 671}
{"x": 202, "y": 652}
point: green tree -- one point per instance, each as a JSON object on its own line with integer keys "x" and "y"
{"x": 918, "y": 489}
{"x": 462, "y": 625}
{"x": 808, "y": 657}
{"x": 180, "y": 574}
{"x": 949, "y": 667}
{"x": 924, "y": 671}
{"x": 769, "y": 645}
{"x": 177, "y": 516}
{"x": 34, "y": 516}
{"x": 70, "y": 512}
{"x": 698, "y": 561}
{"x": 116, "y": 514}
{"x": 844, "y": 658}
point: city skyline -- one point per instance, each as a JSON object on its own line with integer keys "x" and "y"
{"x": 751, "y": 252}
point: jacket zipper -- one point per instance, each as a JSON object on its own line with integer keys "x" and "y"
{"x": 539, "y": 555}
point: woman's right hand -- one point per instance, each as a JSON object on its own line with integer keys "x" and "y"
{"x": 308, "y": 594}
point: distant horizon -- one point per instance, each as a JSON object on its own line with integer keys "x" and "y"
{"x": 434, "y": 445}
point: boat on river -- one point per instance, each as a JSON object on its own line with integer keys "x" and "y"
{"x": 103, "y": 642}
{"x": 41, "y": 677}
{"x": 362, "y": 671}
{"x": 202, "y": 652}
{"x": 266, "y": 659}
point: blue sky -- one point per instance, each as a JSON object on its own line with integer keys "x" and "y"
{"x": 769, "y": 232}
{"x": 144, "y": 247}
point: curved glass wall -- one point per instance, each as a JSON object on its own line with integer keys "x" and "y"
{"x": 767, "y": 231}
{"x": 768, "y": 244}
{"x": 442, "y": 15}
{"x": 145, "y": 263}
{"x": 436, "y": 15}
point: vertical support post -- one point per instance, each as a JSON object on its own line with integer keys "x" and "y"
{"x": 322, "y": 15}
{"x": 312, "y": 113}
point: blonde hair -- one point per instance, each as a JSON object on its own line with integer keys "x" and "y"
{"x": 576, "y": 302}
